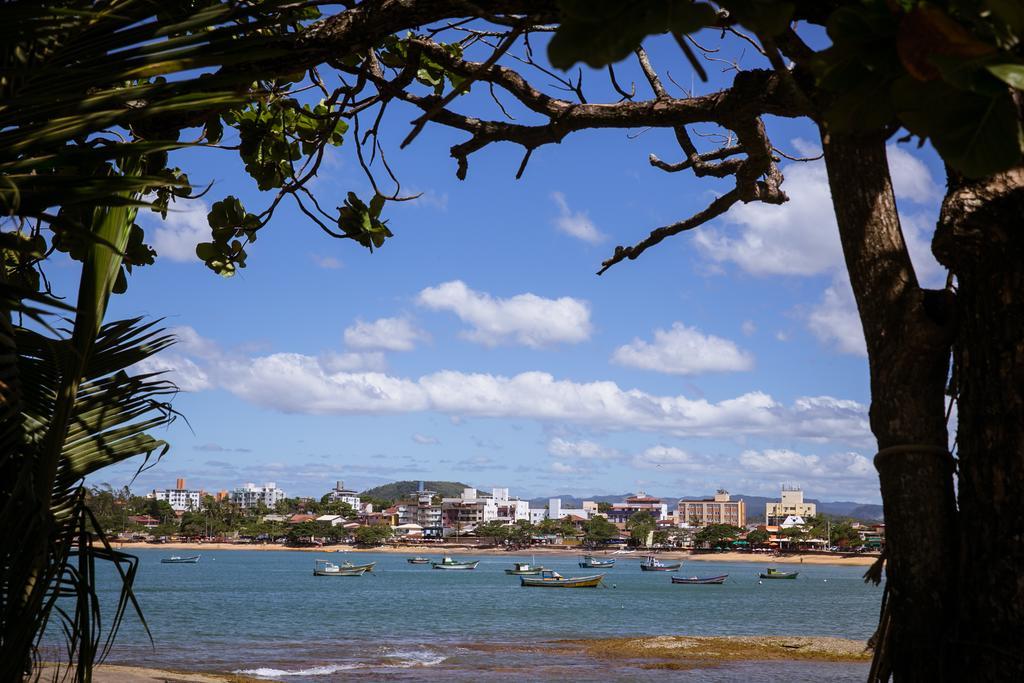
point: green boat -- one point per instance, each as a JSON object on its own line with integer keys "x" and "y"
{"x": 525, "y": 569}
{"x": 773, "y": 573}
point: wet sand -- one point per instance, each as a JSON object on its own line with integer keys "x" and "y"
{"x": 841, "y": 559}
{"x": 650, "y": 653}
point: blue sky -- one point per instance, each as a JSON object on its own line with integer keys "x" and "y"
{"x": 478, "y": 344}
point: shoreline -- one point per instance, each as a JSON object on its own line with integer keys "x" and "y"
{"x": 645, "y": 652}
{"x": 838, "y": 559}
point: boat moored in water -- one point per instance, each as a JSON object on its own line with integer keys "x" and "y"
{"x": 177, "y": 559}
{"x": 449, "y": 563}
{"x": 524, "y": 569}
{"x": 552, "y": 579}
{"x": 701, "y": 580}
{"x": 773, "y": 573}
{"x": 653, "y": 564}
{"x": 328, "y": 568}
{"x": 591, "y": 562}
{"x": 418, "y": 560}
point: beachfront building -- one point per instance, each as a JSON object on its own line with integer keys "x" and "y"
{"x": 179, "y": 498}
{"x": 791, "y": 502}
{"x": 463, "y": 514}
{"x": 422, "y": 511}
{"x": 702, "y": 512}
{"x": 340, "y": 494}
{"x": 250, "y": 495}
{"x": 641, "y": 502}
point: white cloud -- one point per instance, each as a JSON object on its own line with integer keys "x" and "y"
{"x": 191, "y": 342}
{"x": 390, "y": 334}
{"x": 353, "y": 361}
{"x": 425, "y": 440}
{"x": 295, "y": 383}
{"x": 176, "y": 237}
{"x": 525, "y": 319}
{"x": 834, "y": 320}
{"x": 911, "y": 179}
{"x": 585, "y": 450}
{"x": 575, "y": 223}
{"x": 666, "y": 457}
{"x": 176, "y": 368}
{"x": 799, "y": 237}
{"x": 683, "y": 350}
{"x": 326, "y": 262}
{"x": 847, "y": 472}
{"x": 748, "y": 328}
{"x": 781, "y": 461}
{"x": 562, "y": 468}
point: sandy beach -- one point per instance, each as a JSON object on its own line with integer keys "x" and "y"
{"x": 654, "y": 652}
{"x": 841, "y": 559}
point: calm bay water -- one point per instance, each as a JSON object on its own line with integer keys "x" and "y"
{"x": 265, "y": 614}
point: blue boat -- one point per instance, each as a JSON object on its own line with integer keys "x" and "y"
{"x": 589, "y": 561}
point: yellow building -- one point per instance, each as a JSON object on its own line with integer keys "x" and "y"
{"x": 718, "y": 510}
{"x": 791, "y": 502}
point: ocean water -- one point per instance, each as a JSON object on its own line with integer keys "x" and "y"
{"x": 264, "y": 614}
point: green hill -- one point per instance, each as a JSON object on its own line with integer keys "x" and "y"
{"x": 400, "y": 489}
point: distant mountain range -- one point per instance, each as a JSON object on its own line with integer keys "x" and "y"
{"x": 755, "y": 504}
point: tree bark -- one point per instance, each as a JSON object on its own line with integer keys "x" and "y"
{"x": 981, "y": 239}
{"x": 908, "y": 332}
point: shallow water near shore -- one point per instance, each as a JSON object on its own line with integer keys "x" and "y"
{"x": 265, "y": 615}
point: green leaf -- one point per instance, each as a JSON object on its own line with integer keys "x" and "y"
{"x": 602, "y": 32}
{"x": 1011, "y": 74}
{"x": 975, "y": 133}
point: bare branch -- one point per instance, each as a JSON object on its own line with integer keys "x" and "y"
{"x": 715, "y": 209}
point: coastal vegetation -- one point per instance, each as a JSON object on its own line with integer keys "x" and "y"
{"x": 951, "y": 73}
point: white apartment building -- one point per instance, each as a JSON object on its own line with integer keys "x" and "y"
{"x": 340, "y": 494}
{"x": 556, "y": 511}
{"x": 250, "y": 495}
{"x": 179, "y": 498}
{"x": 465, "y": 513}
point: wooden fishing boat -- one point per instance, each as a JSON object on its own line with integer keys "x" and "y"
{"x": 773, "y": 573}
{"x": 328, "y": 568}
{"x": 365, "y": 567}
{"x": 591, "y": 562}
{"x": 525, "y": 569}
{"x": 177, "y": 559}
{"x": 701, "y": 580}
{"x": 653, "y": 564}
{"x": 418, "y": 560}
{"x": 449, "y": 563}
{"x": 552, "y": 579}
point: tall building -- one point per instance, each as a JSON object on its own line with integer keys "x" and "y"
{"x": 721, "y": 509}
{"x": 421, "y": 510}
{"x": 179, "y": 498}
{"x": 791, "y": 502}
{"x": 250, "y": 495}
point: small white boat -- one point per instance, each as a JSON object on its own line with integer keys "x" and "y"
{"x": 177, "y": 559}
{"x": 328, "y": 568}
{"x": 449, "y": 563}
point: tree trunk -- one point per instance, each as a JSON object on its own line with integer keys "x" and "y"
{"x": 908, "y": 333}
{"x": 981, "y": 239}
